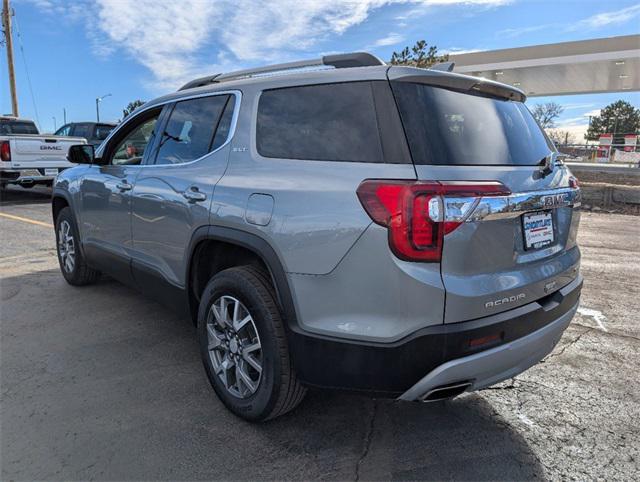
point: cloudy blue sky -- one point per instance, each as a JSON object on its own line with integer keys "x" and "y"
{"x": 78, "y": 50}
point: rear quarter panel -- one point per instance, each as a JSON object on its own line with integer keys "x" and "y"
{"x": 316, "y": 216}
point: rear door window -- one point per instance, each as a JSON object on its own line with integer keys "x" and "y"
{"x": 455, "y": 128}
{"x": 189, "y": 131}
{"x": 328, "y": 122}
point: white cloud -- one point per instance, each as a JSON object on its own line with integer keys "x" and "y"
{"x": 572, "y": 121}
{"x": 607, "y": 19}
{"x": 595, "y": 22}
{"x": 516, "y": 32}
{"x": 179, "y": 40}
{"x": 592, "y": 113}
{"x": 254, "y": 33}
{"x": 576, "y": 106}
{"x": 165, "y": 39}
{"x": 391, "y": 39}
{"x": 458, "y": 51}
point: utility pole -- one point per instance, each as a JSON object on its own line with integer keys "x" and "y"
{"x": 64, "y": 114}
{"x": 6, "y": 25}
{"x": 98, "y": 100}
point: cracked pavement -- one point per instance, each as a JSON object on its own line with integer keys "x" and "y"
{"x": 101, "y": 383}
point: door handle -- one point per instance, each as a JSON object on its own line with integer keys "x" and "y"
{"x": 194, "y": 195}
{"x": 124, "y": 186}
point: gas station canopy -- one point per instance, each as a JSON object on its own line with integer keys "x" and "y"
{"x": 582, "y": 67}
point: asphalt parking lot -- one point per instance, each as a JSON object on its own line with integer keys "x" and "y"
{"x": 101, "y": 383}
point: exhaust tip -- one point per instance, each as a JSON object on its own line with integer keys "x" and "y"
{"x": 444, "y": 392}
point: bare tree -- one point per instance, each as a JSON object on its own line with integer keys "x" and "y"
{"x": 546, "y": 114}
{"x": 560, "y": 137}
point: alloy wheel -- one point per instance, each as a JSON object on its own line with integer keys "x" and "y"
{"x": 66, "y": 246}
{"x": 234, "y": 346}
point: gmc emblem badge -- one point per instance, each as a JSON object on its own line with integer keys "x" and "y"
{"x": 554, "y": 200}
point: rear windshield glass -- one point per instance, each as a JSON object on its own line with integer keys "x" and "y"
{"x": 454, "y": 128}
{"x": 17, "y": 127}
{"x": 329, "y": 122}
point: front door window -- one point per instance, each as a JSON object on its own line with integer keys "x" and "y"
{"x": 130, "y": 150}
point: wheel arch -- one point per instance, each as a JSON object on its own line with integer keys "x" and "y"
{"x": 258, "y": 251}
{"x": 59, "y": 201}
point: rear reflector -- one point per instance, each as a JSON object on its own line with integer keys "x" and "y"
{"x": 418, "y": 214}
{"x": 5, "y": 151}
{"x": 485, "y": 340}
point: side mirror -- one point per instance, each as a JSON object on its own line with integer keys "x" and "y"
{"x": 81, "y": 154}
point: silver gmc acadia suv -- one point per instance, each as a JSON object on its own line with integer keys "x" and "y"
{"x": 336, "y": 223}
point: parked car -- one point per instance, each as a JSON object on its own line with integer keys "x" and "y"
{"x": 28, "y": 158}
{"x": 93, "y": 132}
{"x": 391, "y": 230}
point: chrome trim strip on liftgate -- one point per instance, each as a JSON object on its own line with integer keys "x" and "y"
{"x": 471, "y": 209}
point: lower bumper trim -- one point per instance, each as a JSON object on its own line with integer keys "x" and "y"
{"x": 489, "y": 367}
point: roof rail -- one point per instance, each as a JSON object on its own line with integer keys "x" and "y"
{"x": 199, "y": 82}
{"x": 443, "y": 66}
{"x": 338, "y": 61}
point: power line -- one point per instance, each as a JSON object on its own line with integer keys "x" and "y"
{"x": 24, "y": 61}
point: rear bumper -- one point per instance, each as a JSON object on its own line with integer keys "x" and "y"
{"x": 26, "y": 176}
{"x": 492, "y": 366}
{"x": 442, "y": 354}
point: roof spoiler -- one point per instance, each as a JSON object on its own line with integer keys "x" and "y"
{"x": 454, "y": 81}
{"x": 338, "y": 61}
{"x": 443, "y": 66}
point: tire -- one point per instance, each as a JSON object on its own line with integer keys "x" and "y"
{"x": 274, "y": 390}
{"x": 76, "y": 272}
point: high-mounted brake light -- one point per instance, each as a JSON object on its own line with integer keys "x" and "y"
{"x": 5, "y": 151}
{"x": 419, "y": 214}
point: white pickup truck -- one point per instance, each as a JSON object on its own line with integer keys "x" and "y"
{"x": 28, "y": 158}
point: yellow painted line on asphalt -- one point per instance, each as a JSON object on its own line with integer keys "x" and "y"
{"x": 26, "y": 220}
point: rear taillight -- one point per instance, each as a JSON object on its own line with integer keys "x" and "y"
{"x": 573, "y": 182}
{"x": 418, "y": 214}
{"x": 5, "y": 151}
